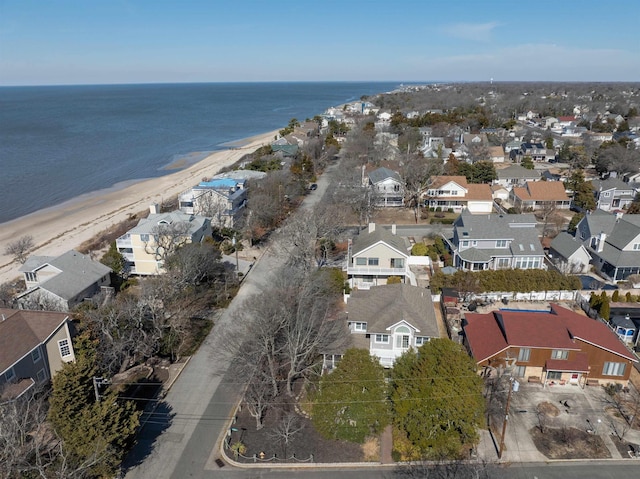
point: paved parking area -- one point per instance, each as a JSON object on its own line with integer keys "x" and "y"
{"x": 579, "y": 408}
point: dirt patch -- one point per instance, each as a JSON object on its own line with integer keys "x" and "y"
{"x": 569, "y": 443}
{"x": 548, "y": 409}
{"x": 626, "y": 449}
{"x": 303, "y": 444}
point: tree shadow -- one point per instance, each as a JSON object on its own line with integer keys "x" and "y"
{"x": 154, "y": 421}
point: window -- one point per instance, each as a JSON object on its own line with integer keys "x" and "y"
{"x": 519, "y": 371}
{"x": 464, "y": 244}
{"x": 41, "y": 376}
{"x": 361, "y": 261}
{"x": 605, "y": 194}
{"x": 559, "y": 354}
{"x": 359, "y": 326}
{"x": 613, "y": 369}
{"x": 555, "y": 375}
{"x": 524, "y": 354}
{"x": 503, "y": 263}
{"x": 397, "y": 263}
{"x": 501, "y": 243}
{"x": 9, "y": 375}
{"x": 420, "y": 340}
{"x": 636, "y": 246}
{"x": 373, "y": 262}
{"x": 35, "y": 355}
{"x": 31, "y": 276}
{"x": 474, "y": 243}
{"x": 402, "y": 340}
{"x": 382, "y": 338}
{"x": 64, "y": 347}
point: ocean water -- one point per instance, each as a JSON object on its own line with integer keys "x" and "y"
{"x": 59, "y": 142}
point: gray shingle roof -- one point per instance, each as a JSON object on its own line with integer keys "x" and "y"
{"x": 610, "y": 184}
{"x": 383, "y": 306}
{"x": 365, "y": 239}
{"x": 565, "y": 245}
{"x": 492, "y": 226}
{"x": 78, "y": 272}
{"x": 624, "y": 231}
{"x": 381, "y": 174}
{"x": 517, "y": 171}
{"x": 600, "y": 221}
{"x": 147, "y": 225}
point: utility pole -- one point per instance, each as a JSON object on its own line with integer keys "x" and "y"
{"x": 97, "y": 382}
{"x": 233, "y": 242}
{"x": 513, "y": 386}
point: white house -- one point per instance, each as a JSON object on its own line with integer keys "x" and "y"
{"x": 221, "y": 199}
{"x": 569, "y": 255}
{"x": 388, "y": 320}
{"x": 453, "y": 192}
{"x": 388, "y": 187}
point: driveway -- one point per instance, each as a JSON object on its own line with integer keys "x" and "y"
{"x": 579, "y": 408}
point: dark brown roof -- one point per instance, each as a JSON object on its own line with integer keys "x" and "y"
{"x": 22, "y": 330}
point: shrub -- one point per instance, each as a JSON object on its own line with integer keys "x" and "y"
{"x": 394, "y": 280}
{"x": 419, "y": 249}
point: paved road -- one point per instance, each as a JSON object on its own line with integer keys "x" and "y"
{"x": 182, "y": 438}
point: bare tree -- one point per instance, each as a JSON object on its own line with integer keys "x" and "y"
{"x": 258, "y": 398}
{"x": 193, "y": 264}
{"x": 416, "y": 173}
{"x": 287, "y": 428}
{"x": 19, "y": 248}
{"x": 166, "y": 238}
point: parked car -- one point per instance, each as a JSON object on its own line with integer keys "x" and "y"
{"x": 313, "y": 186}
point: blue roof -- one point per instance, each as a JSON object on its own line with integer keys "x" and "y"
{"x": 219, "y": 183}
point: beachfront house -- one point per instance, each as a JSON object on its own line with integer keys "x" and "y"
{"x": 34, "y": 345}
{"x": 60, "y": 283}
{"x": 221, "y": 199}
{"x": 146, "y": 246}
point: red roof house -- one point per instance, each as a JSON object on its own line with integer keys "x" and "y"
{"x": 558, "y": 346}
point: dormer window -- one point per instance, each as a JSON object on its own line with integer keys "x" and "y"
{"x": 32, "y": 276}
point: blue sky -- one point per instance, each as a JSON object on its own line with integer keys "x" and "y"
{"x": 146, "y": 41}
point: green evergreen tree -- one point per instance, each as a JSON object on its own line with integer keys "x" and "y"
{"x": 527, "y": 163}
{"x": 93, "y": 432}
{"x": 351, "y": 403}
{"x": 628, "y": 298}
{"x": 605, "y": 310}
{"x": 615, "y": 297}
{"x": 573, "y": 224}
{"x": 436, "y": 397}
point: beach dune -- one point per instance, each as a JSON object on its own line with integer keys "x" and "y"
{"x": 66, "y": 226}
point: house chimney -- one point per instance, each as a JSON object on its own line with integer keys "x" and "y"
{"x": 601, "y": 239}
{"x": 393, "y": 229}
{"x": 372, "y": 227}
{"x": 154, "y": 209}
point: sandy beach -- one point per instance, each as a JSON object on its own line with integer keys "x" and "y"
{"x": 60, "y": 228}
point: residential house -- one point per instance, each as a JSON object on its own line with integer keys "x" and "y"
{"x": 386, "y": 145}
{"x": 612, "y": 242}
{"x": 33, "y": 347}
{"x": 388, "y": 320}
{"x": 515, "y": 175}
{"x": 375, "y": 255}
{"x": 536, "y": 195}
{"x": 146, "y": 246}
{"x": 453, "y": 192}
{"x": 569, "y": 255}
{"x": 535, "y": 151}
{"x": 496, "y": 241}
{"x": 61, "y": 283}
{"x": 474, "y": 139}
{"x": 555, "y": 347}
{"x": 496, "y": 154}
{"x": 613, "y": 194}
{"x": 221, "y": 199}
{"x": 388, "y": 187}
{"x": 499, "y": 192}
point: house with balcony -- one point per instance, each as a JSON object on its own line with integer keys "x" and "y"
{"x": 535, "y": 151}
{"x": 146, "y": 246}
{"x": 61, "y": 283}
{"x": 613, "y": 243}
{"x": 388, "y": 320}
{"x": 221, "y": 199}
{"x": 613, "y": 194}
{"x": 557, "y": 347}
{"x": 495, "y": 241}
{"x": 537, "y": 195}
{"x": 375, "y": 255}
{"x": 34, "y": 345}
{"x": 387, "y": 186}
{"x": 455, "y": 193}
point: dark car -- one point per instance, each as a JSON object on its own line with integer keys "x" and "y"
{"x": 313, "y": 187}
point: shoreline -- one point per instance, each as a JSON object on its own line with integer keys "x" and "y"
{"x": 67, "y": 225}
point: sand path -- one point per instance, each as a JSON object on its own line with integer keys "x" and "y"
{"x": 63, "y": 227}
